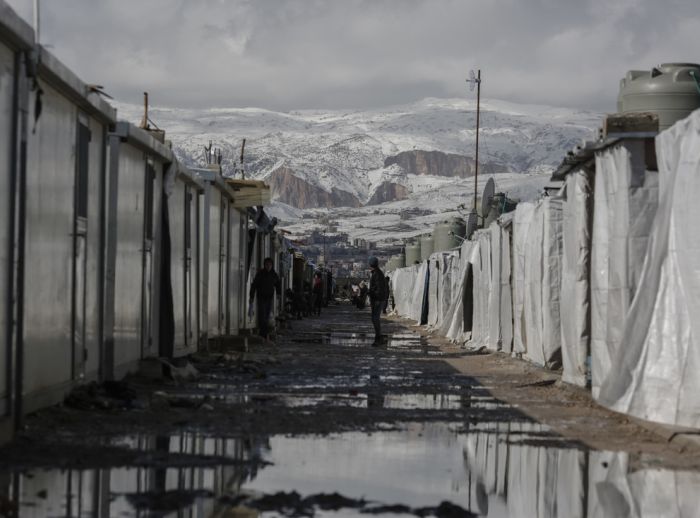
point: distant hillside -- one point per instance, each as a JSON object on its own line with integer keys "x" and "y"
{"x": 354, "y": 158}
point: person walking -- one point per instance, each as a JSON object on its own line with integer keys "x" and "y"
{"x": 265, "y": 284}
{"x": 377, "y": 290}
{"x": 318, "y": 293}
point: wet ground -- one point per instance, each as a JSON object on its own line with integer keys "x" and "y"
{"x": 325, "y": 424}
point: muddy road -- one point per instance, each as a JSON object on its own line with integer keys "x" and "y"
{"x": 325, "y": 424}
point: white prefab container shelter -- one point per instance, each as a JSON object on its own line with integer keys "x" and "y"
{"x": 137, "y": 165}
{"x": 217, "y": 241}
{"x": 16, "y": 41}
{"x": 180, "y": 319}
{"x": 64, "y": 240}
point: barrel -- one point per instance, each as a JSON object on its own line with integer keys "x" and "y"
{"x": 671, "y": 90}
{"x": 413, "y": 252}
{"x": 449, "y": 234}
{"x": 427, "y": 246}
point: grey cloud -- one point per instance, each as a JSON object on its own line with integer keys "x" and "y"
{"x": 290, "y": 54}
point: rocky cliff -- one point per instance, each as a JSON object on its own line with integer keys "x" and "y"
{"x": 437, "y": 163}
{"x": 292, "y": 190}
{"x": 389, "y": 191}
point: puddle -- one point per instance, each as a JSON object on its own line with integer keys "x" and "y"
{"x": 490, "y": 469}
{"x": 351, "y": 339}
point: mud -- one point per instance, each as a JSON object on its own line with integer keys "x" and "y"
{"x": 324, "y": 424}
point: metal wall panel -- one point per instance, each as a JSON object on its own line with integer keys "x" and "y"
{"x": 215, "y": 278}
{"x": 129, "y": 260}
{"x": 234, "y": 294}
{"x": 49, "y": 249}
{"x": 6, "y": 92}
{"x": 176, "y": 222}
{"x": 94, "y": 240}
{"x": 182, "y": 220}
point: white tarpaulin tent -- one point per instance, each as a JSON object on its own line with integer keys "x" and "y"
{"x": 481, "y": 269}
{"x": 453, "y": 322}
{"x": 656, "y": 372}
{"x": 575, "y": 285}
{"x": 408, "y": 286}
{"x": 521, "y": 224}
{"x": 501, "y": 304}
{"x": 537, "y": 281}
{"x": 444, "y": 271}
{"x": 625, "y": 200}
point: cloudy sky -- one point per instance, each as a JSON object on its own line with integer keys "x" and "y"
{"x": 293, "y": 54}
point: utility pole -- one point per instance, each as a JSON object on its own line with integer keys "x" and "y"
{"x": 475, "y": 80}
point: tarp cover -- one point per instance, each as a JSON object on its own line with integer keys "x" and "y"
{"x": 625, "y": 200}
{"x": 408, "y": 285}
{"x": 538, "y": 257}
{"x": 482, "y": 293}
{"x": 453, "y": 322}
{"x": 575, "y": 287}
{"x": 656, "y": 373}
{"x": 521, "y": 224}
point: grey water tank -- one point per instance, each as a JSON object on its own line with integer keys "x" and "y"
{"x": 449, "y": 234}
{"x": 413, "y": 252}
{"x": 671, "y": 90}
{"x": 427, "y": 246}
{"x": 400, "y": 260}
{"x": 389, "y": 265}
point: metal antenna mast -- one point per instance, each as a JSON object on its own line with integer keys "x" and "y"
{"x": 475, "y": 80}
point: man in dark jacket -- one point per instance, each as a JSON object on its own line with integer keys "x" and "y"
{"x": 377, "y": 291}
{"x": 265, "y": 284}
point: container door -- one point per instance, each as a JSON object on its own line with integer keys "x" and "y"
{"x": 79, "y": 352}
{"x": 147, "y": 275}
{"x": 224, "y": 252}
{"x": 189, "y": 275}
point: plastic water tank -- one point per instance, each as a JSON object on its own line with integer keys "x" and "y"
{"x": 389, "y": 265}
{"x": 400, "y": 260}
{"x": 449, "y": 234}
{"x": 669, "y": 90}
{"x": 413, "y": 253}
{"x": 427, "y": 246}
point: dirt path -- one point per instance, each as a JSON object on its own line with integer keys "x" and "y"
{"x": 322, "y": 421}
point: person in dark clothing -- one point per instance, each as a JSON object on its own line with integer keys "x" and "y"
{"x": 377, "y": 296}
{"x": 264, "y": 286}
{"x": 318, "y": 293}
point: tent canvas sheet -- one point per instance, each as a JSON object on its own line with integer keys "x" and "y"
{"x": 655, "y": 374}
{"x": 625, "y": 201}
{"x": 575, "y": 284}
{"x": 521, "y": 224}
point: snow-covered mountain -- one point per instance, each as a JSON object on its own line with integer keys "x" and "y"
{"x": 354, "y": 158}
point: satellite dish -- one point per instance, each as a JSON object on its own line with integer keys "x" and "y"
{"x": 472, "y": 80}
{"x": 487, "y": 196}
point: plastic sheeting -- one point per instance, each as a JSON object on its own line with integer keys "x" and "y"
{"x": 521, "y": 224}
{"x": 625, "y": 201}
{"x": 453, "y": 321}
{"x": 408, "y": 285}
{"x": 656, "y": 373}
{"x": 575, "y": 286}
{"x": 482, "y": 293}
{"x": 538, "y": 257}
